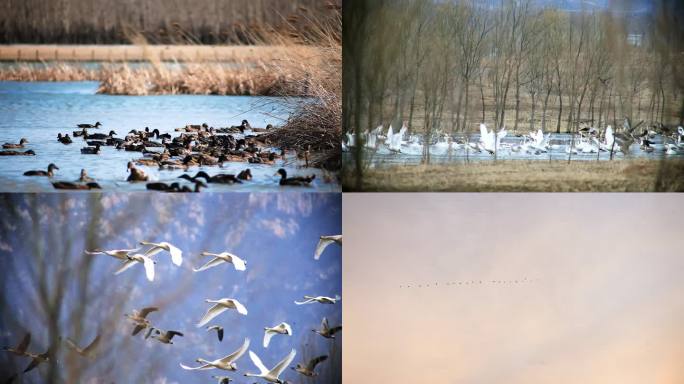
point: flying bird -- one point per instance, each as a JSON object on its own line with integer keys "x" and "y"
{"x": 226, "y": 363}
{"x": 121, "y": 254}
{"x": 20, "y": 349}
{"x": 280, "y": 329}
{"x": 131, "y": 260}
{"x": 37, "y": 359}
{"x": 220, "y": 258}
{"x": 319, "y": 299}
{"x": 324, "y": 241}
{"x": 327, "y": 331}
{"x": 140, "y": 319}
{"x": 88, "y": 351}
{"x": 165, "y": 337}
{"x": 218, "y": 329}
{"x": 176, "y": 254}
{"x": 308, "y": 368}
{"x": 271, "y": 375}
{"x": 220, "y": 306}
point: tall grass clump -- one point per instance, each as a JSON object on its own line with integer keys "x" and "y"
{"x": 315, "y": 125}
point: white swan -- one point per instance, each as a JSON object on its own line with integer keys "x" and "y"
{"x": 220, "y": 258}
{"x": 319, "y": 299}
{"x": 324, "y": 241}
{"x": 131, "y": 260}
{"x": 226, "y": 363}
{"x": 176, "y": 254}
{"x": 219, "y": 307}
{"x": 121, "y": 254}
{"x": 395, "y": 140}
{"x": 280, "y": 329}
{"x": 271, "y": 375}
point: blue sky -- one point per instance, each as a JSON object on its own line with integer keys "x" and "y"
{"x": 275, "y": 233}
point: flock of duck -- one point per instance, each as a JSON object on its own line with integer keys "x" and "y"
{"x": 197, "y": 145}
{"x": 588, "y": 140}
{"x": 139, "y": 318}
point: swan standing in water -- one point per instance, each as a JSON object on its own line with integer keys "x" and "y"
{"x": 131, "y": 260}
{"x": 226, "y": 363}
{"x": 319, "y": 299}
{"x": 324, "y": 241}
{"x": 308, "y": 368}
{"x": 280, "y": 329}
{"x": 176, "y": 254}
{"x": 220, "y": 258}
{"x": 219, "y": 307}
{"x": 271, "y": 375}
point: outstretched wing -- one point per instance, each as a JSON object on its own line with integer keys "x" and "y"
{"x": 127, "y": 264}
{"x": 323, "y": 242}
{"x": 92, "y": 346}
{"x": 268, "y": 334}
{"x": 176, "y": 254}
{"x": 307, "y": 301}
{"x": 334, "y": 330}
{"x": 314, "y": 362}
{"x": 212, "y": 263}
{"x": 212, "y": 312}
{"x": 257, "y": 361}
{"x": 237, "y": 354}
{"x": 205, "y": 366}
{"x": 145, "y": 311}
{"x": 149, "y": 268}
{"x": 240, "y": 308}
{"x": 237, "y": 262}
{"x": 23, "y": 345}
{"x": 280, "y": 367}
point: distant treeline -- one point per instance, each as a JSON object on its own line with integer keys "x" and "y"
{"x": 157, "y": 21}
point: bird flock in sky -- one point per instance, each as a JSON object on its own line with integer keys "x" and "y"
{"x": 436, "y": 284}
{"x": 139, "y": 318}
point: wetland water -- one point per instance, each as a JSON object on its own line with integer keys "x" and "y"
{"x": 38, "y": 111}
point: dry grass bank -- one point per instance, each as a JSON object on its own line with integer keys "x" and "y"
{"x": 527, "y": 176}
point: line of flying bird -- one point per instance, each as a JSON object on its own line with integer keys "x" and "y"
{"x": 131, "y": 257}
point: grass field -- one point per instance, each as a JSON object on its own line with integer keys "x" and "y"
{"x": 526, "y": 176}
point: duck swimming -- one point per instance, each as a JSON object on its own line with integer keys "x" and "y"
{"x": 294, "y": 181}
{"x": 91, "y": 150}
{"x": 136, "y": 174}
{"x": 221, "y": 178}
{"x": 99, "y": 136}
{"x": 48, "y": 173}
{"x": 66, "y": 139}
{"x": 84, "y": 178}
{"x": 20, "y": 145}
{"x": 96, "y": 125}
{"x": 245, "y": 175}
{"x": 71, "y": 185}
{"x": 18, "y": 153}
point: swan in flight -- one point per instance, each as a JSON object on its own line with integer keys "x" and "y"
{"x": 327, "y": 331}
{"x": 220, "y": 258}
{"x": 219, "y": 307}
{"x": 140, "y": 319}
{"x": 20, "y": 349}
{"x": 88, "y": 351}
{"x": 176, "y": 254}
{"x": 308, "y": 368}
{"x": 165, "y": 337}
{"x": 319, "y": 299}
{"x": 226, "y": 363}
{"x": 131, "y": 260}
{"x": 280, "y": 329}
{"x": 271, "y": 375}
{"x": 218, "y": 329}
{"x": 324, "y": 241}
{"x": 121, "y": 254}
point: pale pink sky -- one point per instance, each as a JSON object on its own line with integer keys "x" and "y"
{"x": 607, "y": 305}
